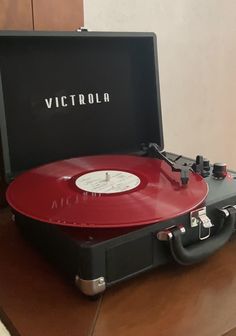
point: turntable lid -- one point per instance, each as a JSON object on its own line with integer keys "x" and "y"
{"x": 65, "y": 95}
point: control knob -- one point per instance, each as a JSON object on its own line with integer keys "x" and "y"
{"x": 219, "y": 170}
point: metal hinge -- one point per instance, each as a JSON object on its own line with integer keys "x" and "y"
{"x": 165, "y": 235}
{"x": 226, "y": 210}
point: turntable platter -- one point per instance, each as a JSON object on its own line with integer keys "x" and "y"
{"x": 105, "y": 191}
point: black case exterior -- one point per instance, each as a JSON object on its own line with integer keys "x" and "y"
{"x": 64, "y": 95}
{"x": 116, "y": 255}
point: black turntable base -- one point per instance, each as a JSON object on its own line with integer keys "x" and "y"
{"x": 96, "y": 258}
{"x": 83, "y": 153}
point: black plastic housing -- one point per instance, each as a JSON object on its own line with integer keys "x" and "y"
{"x": 120, "y": 254}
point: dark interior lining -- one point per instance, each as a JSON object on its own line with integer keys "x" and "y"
{"x": 41, "y": 74}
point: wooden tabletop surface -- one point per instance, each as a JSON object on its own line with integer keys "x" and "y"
{"x": 170, "y": 301}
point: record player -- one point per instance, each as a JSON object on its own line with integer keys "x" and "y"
{"x": 89, "y": 181}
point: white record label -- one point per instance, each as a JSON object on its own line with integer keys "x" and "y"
{"x": 107, "y": 181}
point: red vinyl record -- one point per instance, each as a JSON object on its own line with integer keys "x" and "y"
{"x": 105, "y": 191}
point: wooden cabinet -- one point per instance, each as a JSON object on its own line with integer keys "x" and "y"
{"x": 41, "y": 14}
{"x": 16, "y": 14}
{"x": 57, "y": 14}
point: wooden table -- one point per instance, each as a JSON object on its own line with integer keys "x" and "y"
{"x": 170, "y": 301}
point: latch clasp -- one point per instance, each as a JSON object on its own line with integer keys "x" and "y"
{"x": 199, "y": 218}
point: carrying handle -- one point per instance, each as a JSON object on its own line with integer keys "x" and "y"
{"x": 197, "y": 252}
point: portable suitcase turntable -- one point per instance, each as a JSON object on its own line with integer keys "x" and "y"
{"x": 91, "y": 185}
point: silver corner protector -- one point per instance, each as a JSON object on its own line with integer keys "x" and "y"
{"x": 91, "y": 287}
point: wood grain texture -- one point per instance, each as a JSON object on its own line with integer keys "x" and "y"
{"x": 16, "y": 15}
{"x": 58, "y": 14}
{"x": 37, "y": 299}
{"x": 174, "y": 300}
{"x": 231, "y": 333}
